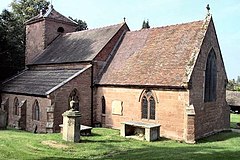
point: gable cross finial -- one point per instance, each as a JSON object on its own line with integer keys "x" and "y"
{"x": 51, "y": 4}
{"x": 208, "y": 9}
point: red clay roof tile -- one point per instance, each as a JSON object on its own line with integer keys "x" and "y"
{"x": 157, "y": 56}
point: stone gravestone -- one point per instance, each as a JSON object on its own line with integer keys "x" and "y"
{"x": 71, "y": 124}
{"x": 3, "y": 119}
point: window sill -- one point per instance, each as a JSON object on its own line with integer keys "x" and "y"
{"x": 210, "y": 101}
{"x": 143, "y": 119}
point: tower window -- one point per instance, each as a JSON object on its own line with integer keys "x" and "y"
{"x": 60, "y": 30}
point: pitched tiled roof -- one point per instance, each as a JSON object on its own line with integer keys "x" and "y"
{"x": 39, "y": 82}
{"x": 159, "y": 56}
{"x": 233, "y": 98}
{"x": 78, "y": 46}
{"x": 52, "y": 14}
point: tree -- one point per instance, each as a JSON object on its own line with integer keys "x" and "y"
{"x": 145, "y": 24}
{"x": 12, "y": 34}
{"x": 233, "y": 85}
{"x": 82, "y": 25}
{"x": 238, "y": 80}
{"x": 230, "y": 85}
{"x": 26, "y": 9}
{"x": 12, "y": 45}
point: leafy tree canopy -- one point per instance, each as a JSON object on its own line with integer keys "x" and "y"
{"x": 26, "y": 9}
{"x": 82, "y": 25}
{"x": 234, "y": 85}
{"x": 12, "y": 34}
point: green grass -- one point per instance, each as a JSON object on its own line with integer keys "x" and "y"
{"x": 235, "y": 118}
{"x": 107, "y": 144}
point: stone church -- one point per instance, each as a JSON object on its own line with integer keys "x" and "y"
{"x": 172, "y": 75}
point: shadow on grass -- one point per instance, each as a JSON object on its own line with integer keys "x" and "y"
{"x": 122, "y": 148}
{"x": 222, "y": 136}
{"x": 234, "y": 125}
{"x": 180, "y": 153}
{"x": 99, "y": 141}
{"x": 205, "y": 149}
{"x": 166, "y": 153}
{"x": 58, "y": 158}
{"x": 93, "y": 134}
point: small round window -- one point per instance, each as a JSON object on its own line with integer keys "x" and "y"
{"x": 60, "y": 29}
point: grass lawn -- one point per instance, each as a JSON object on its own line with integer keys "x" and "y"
{"x": 235, "y": 118}
{"x": 107, "y": 144}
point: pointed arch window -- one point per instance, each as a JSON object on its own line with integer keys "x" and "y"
{"x": 144, "y": 107}
{"x": 103, "y": 105}
{"x": 36, "y": 111}
{"x": 15, "y": 106}
{"x": 210, "y": 78}
{"x": 148, "y": 105}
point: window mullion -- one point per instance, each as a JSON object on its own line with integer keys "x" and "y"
{"x": 149, "y": 111}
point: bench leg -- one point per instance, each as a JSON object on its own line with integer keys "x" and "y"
{"x": 148, "y": 134}
{"x": 122, "y": 131}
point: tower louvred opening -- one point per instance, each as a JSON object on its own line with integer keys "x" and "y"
{"x": 60, "y": 30}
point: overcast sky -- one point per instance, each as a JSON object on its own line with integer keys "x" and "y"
{"x": 99, "y": 13}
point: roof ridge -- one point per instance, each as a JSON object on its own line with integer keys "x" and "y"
{"x": 164, "y": 50}
{"x": 47, "y": 14}
{"x": 165, "y": 26}
{"x": 52, "y": 9}
{"x": 93, "y": 29}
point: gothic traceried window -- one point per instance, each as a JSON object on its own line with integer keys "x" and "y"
{"x": 36, "y": 111}
{"x": 210, "y": 78}
{"x": 144, "y": 107}
{"x": 15, "y": 106}
{"x": 148, "y": 105}
{"x": 152, "y": 108}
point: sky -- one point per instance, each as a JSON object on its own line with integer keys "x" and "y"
{"x": 100, "y": 13}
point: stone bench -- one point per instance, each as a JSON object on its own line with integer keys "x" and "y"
{"x": 84, "y": 130}
{"x": 148, "y": 132}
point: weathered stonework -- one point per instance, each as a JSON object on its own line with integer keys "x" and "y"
{"x": 3, "y": 119}
{"x": 51, "y": 107}
{"x": 120, "y": 65}
{"x": 170, "y": 109}
{"x": 28, "y": 123}
{"x": 214, "y": 116}
{"x": 71, "y": 126}
{"x": 189, "y": 127}
{"x": 61, "y": 95}
{"x": 40, "y": 34}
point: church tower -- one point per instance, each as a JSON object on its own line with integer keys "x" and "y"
{"x": 43, "y": 29}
